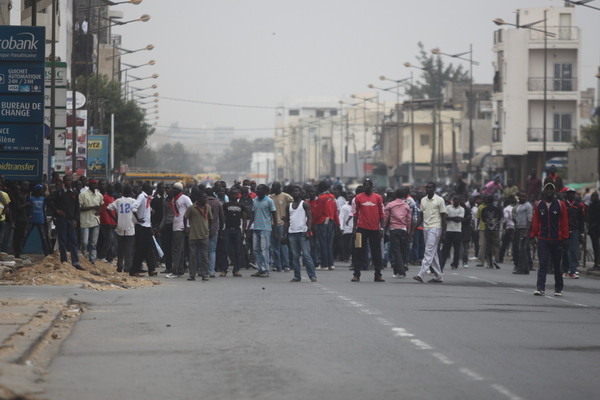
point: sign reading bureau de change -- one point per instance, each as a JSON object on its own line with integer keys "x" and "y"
{"x": 22, "y": 56}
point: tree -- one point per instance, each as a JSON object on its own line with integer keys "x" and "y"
{"x": 104, "y": 98}
{"x": 239, "y": 155}
{"x": 590, "y": 135}
{"x": 436, "y": 74}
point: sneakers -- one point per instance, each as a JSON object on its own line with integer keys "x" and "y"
{"x": 565, "y": 275}
{"x": 205, "y": 279}
{"x": 260, "y": 275}
{"x": 558, "y": 294}
{"x": 539, "y": 293}
{"x": 223, "y": 274}
{"x": 171, "y": 275}
{"x": 286, "y": 270}
{"x": 237, "y": 274}
{"x": 378, "y": 279}
{"x": 465, "y": 265}
{"x": 319, "y": 268}
{"x": 313, "y": 279}
{"x": 295, "y": 280}
{"x": 573, "y": 276}
{"x": 191, "y": 278}
{"x": 418, "y": 278}
{"x": 332, "y": 268}
{"x": 355, "y": 279}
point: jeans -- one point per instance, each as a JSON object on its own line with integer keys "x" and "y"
{"x": 374, "y": 239}
{"x": 67, "y": 240}
{"x": 507, "y": 239}
{"x": 325, "y": 237}
{"x": 453, "y": 239}
{"x": 399, "y": 249}
{"x": 521, "y": 252}
{"x": 571, "y": 254}
{"x": 19, "y": 237}
{"x": 431, "y": 258}
{"x": 199, "y": 257}
{"x": 212, "y": 253}
{"x": 418, "y": 246}
{"x": 549, "y": 252}
{"x": 314, "y": 248}
{"x": 125, "y": 252}
{"x": 346, "y": 246}
{"x": 107, "y": 250}
{"x": 491, "y": 246}
{"x": 89, "y": 239}
{"x": 595, "y": 239}
{"x": 300, "y": 245}
{"x": 232, "y": 242}
{"x": 281, "y": 257}
{"x": 262, "y": 243}
{"x": 178, "y": 250}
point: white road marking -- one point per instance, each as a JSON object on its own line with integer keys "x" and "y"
{"x": 443, "y": 359}
{"x": 483, "y": 280}
{"x": 473, "y": 375}
{"x": 384, "y": 321}
{"x": 401, "y": 332}
{"x": 421, "y": 344}
{"x": 555, "y": 298}
{"x": 501, "y": 389}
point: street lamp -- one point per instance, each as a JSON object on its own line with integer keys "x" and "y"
{"x": 582, "y": 3}
{"x": 459, "y": 56}
{"x": 411, "y": 176}
{"x": 530, "y": 26}
{"x": 364, "y": 102}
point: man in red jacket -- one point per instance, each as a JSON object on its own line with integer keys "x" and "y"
{"x": 550, "y": 227}
{"x": 326, "y": 222}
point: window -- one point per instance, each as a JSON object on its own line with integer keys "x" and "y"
{"x": 294, "y": 113}
{"x": 320, "y": 113}
{"x": 563, "y": 77}
{"x": 333, "y": 113}
{"x": 425, "y": 140}
{"x": 562, "y": 131}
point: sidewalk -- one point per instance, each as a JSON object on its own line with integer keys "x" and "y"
{"x": 34, "y": 320}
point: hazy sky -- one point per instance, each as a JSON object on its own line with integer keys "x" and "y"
{"x": 274, "y": 52}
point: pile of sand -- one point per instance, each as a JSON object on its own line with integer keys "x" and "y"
{"x": 50, "y": 271}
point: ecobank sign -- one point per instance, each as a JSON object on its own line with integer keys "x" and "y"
{"x": 18, "y": 43}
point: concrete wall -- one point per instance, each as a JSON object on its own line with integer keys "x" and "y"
{"x": 583, "y": 165}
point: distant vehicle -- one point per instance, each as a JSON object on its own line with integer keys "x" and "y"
{"x": 207, "y": 179}
{"x": 155, "y": 177}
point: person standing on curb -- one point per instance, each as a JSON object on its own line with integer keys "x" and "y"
{"x": 144, "y": 241}
{"x": 197, "y": 219}
{"x": 550, "y": 227}
{"x": 64, "y": 203}
{"x": 178, "y": 204}
{"x": 434, "y": 229}
{"x": 297, "y": 232}
{"x": 90, "y": 202}
{"x": 263, "y": 220}
{"x": 368, "y": 222}
{"x": 125, "y": 229}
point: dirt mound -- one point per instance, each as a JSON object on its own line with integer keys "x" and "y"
{"x": 50, "y": 271}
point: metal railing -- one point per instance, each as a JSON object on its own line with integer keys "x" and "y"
{"x": 562, "y": 33}
{"x": 553, "y": 135}
{"x": 553, "y": 84}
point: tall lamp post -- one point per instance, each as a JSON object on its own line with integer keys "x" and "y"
{"x": 364, "y": 102}
{"x": 470, "y": 109}
{"x": 530, "y": 26}
{"x": 411, "y": 176}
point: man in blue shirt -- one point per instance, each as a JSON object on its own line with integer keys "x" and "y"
{"x": 262, "y": 222}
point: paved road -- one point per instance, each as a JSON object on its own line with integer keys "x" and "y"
{"x": 480, "y": 335}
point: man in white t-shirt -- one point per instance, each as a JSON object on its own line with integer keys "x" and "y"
{"x": 178, "y": 203}
{"x": 454, "y": 215}
{"x": 433, "y": 217}
{"x": 125, "y": 229}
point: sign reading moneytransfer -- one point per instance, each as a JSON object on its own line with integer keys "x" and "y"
{"x": 22, "y": 54}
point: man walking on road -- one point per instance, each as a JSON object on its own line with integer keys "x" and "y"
{"x": 368, "y": 223}
{"x": 434, "y": 229}
{"x": 550, "y": 227}
{"x": 398, "y": 218}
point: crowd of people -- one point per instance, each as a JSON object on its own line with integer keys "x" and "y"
{"x": 206, "y": 231}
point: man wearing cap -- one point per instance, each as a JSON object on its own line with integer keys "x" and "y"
{"x": 550, "y": 226}
{"x": 178, "y": 203}
{"x": 90, "y": 202}
{"x": 576, "y": 212}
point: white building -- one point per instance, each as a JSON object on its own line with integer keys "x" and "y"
{"x": 523, "y": 57}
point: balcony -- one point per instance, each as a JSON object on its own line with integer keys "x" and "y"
{"x": 554, "y": 135}
{"x": 563, "y": 33}
{"x": 553, "y": 84}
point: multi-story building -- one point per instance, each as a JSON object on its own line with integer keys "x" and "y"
{"x": 536, "y": 89}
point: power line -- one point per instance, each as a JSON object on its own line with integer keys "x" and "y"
{"x": 212, "y": 103}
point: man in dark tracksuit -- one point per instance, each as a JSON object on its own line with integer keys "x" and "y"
{"x": 551, "y": 228}
{"x": 576, "y": 212}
